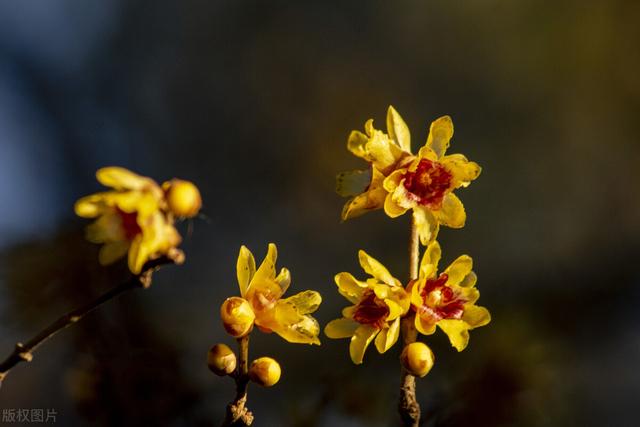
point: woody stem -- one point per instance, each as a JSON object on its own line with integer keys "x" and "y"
{"x": 24, "y": 352}
{"x": 408, "y": 406}
{"x": 237, "y": 413}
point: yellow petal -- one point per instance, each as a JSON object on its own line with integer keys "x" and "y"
{"x": 425, "y": 152}
{"x": 348, "y": 312}
{"x": 391, "y": 208}
{"x": 283, "y": 279}
{"x": 352, "y": 183}
{"x": 430, "y": 260}
{"x": 360, "y": 341}
{"x": 395, "y": 309}
{"x": 398, "y": 129}
{"x": 112, "y": 252}
{"x": 457, "y": 331}
{"x": 388, "y": 336}
{"x": 267, "y": 269}
{"x": 357, "y": 144}
{"x": 122, "y": 179}
{"x": 138, "y": 255}
{"x": 383, "y": 152}
{"x": 459, "y": 269}
{"x": 452, "y": 212}
{"x": 90, "y": 206}
{"x": 293, "y": 326}
{"x": 416, "y": 289}
{"x": 440, "y": 134}
{"x": 392, "y": 181}
{"x": 426, "y": 223}
{"x": 476, "y": 316}
{"x": 341, "y": 328}
{"x": 305, "y": 302}
{"x": 469, "y": 281}
{"x": 463, "y": 170}
{"x": 107, "y": 228}
{"x": 245, "y": 269}
{"x": 370, "y": 200}
{"x": 374, "y": 268}
{"x": 349, "y": 287}
{"x": 424, "y": 327}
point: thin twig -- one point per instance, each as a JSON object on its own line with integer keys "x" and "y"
{"x": 24, "y": 352}
{"x": 408, "y": 406}
{"x": 237, "y": 413}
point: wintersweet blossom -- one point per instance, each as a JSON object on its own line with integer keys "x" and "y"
{"x": 378, "y": 305}
{"x": 287, "y": 317}
{"x": 447, "y": 300}
{"x": 132, "y": 217}
{"x": 426, "y": 184}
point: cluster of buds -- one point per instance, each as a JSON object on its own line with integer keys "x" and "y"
{"x": 222, "y": 361}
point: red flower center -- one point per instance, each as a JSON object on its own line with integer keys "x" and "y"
{"x": 428, "y": 183}
{"x": 129, "y": 224}
{"x": 440, "y": 301}
{"x": 371, "y": 310}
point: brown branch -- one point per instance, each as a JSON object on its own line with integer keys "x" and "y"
{"x": 408, "y": 406}
{"x": 237, "y": 413}
{"x": 24, "y": 352}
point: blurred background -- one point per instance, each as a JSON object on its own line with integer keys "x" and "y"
{"x": 254, "y": 101}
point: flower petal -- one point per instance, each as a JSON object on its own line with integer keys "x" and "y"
{"x": 341, "y": 328}
{"x": 352, "y": 183}
{"x": 424, "y": 327}
{"x": 357, "y": 144}
{"x": 392, "y": 181}
{"x": 383, "y": 152}
{"x": 463, "y": 170}
{"x": 395, "y": 309}
{"x": 283, "y": 279}
{"x": 457, "y": 331}
{"x": 469, "y": 281}
{"x": 90, "y": 206}
{"x": 245, "y": 269}
{"x": 293, "y": 326}
{"x": 430, "y": 260}
{"x": 370, "y": 200}
{"x": 398, "y": 129}
{"x": 306, "y": 301}
{"x": 391, "y": 208}
{"x": 427, "y": 224}
{"x": 374, "y": 268}
{"x": 452, "y": 212}
{"x": 122, "y": 179}
{"x": 267, "y": 269}
{"x": 459, "y": 269}
{"x": 388, "y": 336}
{"x": 349, "y": 287}
{"x": 360, "y": 341}
{"x": 476, "y": 316}
{"x": 440, "y": 134}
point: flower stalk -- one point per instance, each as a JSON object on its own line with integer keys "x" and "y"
{"x": 408, "y": 405}
{"x": 24, "y": 352}
{"x": 237, "y": 412}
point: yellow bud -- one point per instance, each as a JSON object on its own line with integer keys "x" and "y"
{"x": 417, "y": 358}
{"x": 237, "y": 316}
{"x": 221, "y": 360}
{"x": 265, "y": 371}
{"x": 183, "y": 198}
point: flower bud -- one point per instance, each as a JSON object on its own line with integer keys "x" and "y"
{"x": 183, "y": 198}
{"x": 221, "y": 360}
{"x": 417, "y": 358}
{"x": 237, "y": 316}
{"x": 265, "y": 371}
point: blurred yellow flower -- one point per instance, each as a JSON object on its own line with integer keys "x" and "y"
{"x": 130, "y": 218}
{"x": 447, "y": 300}
{"x": 384, "y": 152}
{"x": 426, "y": 184}
{"x": 287, "y": 317}
{"x": 378, "y": 304}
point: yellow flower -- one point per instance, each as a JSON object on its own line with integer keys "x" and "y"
{"x": 384, "y": 152}
{"x": 288, "y": 317}
{"x": 378, "y": 304}
{"x": 129, "y": 218}
{"x": 447, "y": 300}
{"x": 426, "y": 184}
